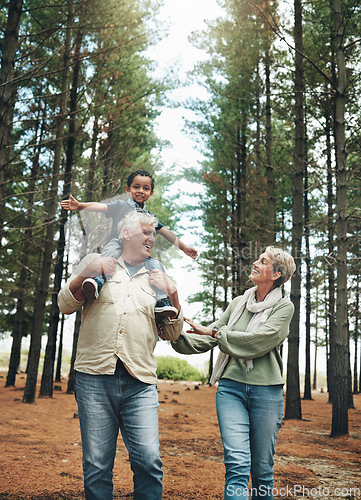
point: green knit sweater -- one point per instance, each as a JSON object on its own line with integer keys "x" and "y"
{"x": 262, "y": 346}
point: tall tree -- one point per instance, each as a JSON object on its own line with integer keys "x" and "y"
{"x": 42, "y": 292}
{"x": 293, "y": 398}
{"x": 307, "y": 386}
{"x": 340, "y": 399}
{"x": 46, "y": 387}
{"x": 8, "y": 89}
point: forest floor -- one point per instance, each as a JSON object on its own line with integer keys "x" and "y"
{"x": 41, "y": 449}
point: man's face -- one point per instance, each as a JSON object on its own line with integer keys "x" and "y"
{"x": 140, "y": 189}
{"x": 141, "y": 241}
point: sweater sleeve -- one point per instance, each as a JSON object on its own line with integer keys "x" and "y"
{"x": 191, "y": 343}
{"x": 250, "y": 345}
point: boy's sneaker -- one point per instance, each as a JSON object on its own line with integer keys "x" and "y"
{"x": 165, "y": 308}
{"x": 90, "y": 288}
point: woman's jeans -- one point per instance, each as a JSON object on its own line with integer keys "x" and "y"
{"x": 249, "y": 418}
{"x": 106, "y": 404}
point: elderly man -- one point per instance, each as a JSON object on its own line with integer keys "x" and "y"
{"x": 116, "y": 369}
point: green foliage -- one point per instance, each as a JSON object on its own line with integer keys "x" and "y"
{"x": 171, "y": 368}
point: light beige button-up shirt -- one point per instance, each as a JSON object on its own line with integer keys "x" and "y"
{"x": 119, "y": 324}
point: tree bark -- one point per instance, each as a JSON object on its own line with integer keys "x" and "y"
{"x": 307, "y": 387}
{"x": 340, "y": 399}
{"x": 8, "y": 89}
{"x": 271, "y": 205}
{"x": 356, "y": 335}
{"x": 17, "y": 332}
{"x": 330, "y": 263}
{"x": 46, "y": 388}
{"x": 240, "y": 261}
{"x": 293, "y": 398}
{"x": 41, "y": 295}
{"x": 314, "y": 383}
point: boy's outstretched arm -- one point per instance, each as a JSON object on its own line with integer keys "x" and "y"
{"x": 172, "y": 238}
{"x": 92, "y": 206}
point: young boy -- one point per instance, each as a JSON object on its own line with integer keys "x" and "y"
{"x": 140, "y": 187}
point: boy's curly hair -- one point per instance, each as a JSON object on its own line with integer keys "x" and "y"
{"x": 143, "y": 173}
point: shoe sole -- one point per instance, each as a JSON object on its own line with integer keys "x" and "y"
{"x": 90, "y": 291}
{"x": 166, "y": 313}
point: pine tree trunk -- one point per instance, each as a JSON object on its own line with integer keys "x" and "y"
{"x": 330, "y": 265}
{"x": 359, "y": 380}
{"x": 340, "y": 399}
{"x": 88, "y": 196}
{"x": 17, "y": 335}
{"x": 225, "y": 265}
{"x": 314, "y": 384}
{"x": 258, "y": 224}
{"x": 307, "y": 388}
{"x": 41, "y": 295}
{"x": 17, "y": 332}
{"x": 271, "y": 205}
{"x": 46, "y": 388}
{"x": 293, "y": 398}
{"x": 356, "y": 335}
{"x": 240, "y": 178}
{"x": 8, "y": 89}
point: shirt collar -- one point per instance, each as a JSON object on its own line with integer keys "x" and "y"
{"x": 134, "y": 204}
{"x": 124, "y": 266}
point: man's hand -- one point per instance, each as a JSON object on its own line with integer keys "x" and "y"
{"x": 70, "y": 204}
{"x": 191, "y": 252}
{"x": 100, "y": 265}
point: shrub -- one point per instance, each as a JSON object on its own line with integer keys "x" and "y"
{"x": 170, "y": 368}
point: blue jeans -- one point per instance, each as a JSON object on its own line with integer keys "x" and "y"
{"x": 107, "y": 403}
{"x": 249, "y": 417}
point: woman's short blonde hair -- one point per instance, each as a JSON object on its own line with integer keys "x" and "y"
{"x": 282, "y": 263}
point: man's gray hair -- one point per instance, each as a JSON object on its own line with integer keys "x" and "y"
{"x": 133, "y": 220}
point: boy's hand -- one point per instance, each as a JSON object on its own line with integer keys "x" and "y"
{"x": 191, "y": 252}
{"x": 160, "y": 280}
{"x": 71, "y": 204}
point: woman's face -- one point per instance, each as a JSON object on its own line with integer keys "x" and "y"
{"x": 262, "y": 271}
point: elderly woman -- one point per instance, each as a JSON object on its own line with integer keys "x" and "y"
{"x": 250, "y": 392}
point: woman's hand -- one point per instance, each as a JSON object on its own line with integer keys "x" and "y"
{"x": 197, "y": 328}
